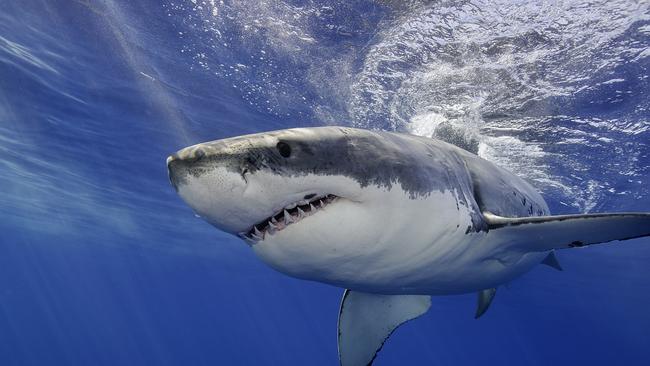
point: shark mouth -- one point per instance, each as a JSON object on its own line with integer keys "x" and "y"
{"x": 289, "y": 215}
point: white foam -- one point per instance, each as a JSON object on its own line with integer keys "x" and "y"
{"x": 432, "y": 63}
{"x": 425, "y": 124}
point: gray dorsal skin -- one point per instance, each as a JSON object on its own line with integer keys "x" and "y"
{"x": 367, "y": 320}
{"x": 499, "y": 192}
{"x": 485, "y": 298}
{"x": 362, "y": 156}
{"x": 551, "y": 261}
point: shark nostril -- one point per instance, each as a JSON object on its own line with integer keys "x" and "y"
{"x": 197, "y": 155}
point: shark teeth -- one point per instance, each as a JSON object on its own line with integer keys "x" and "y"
{"x": 287, "y": 218}
{"x": 250, "y": 239}
{"x": 256, "y": 234}
{"x": 289, "y": 215}
{"x": 256, "y": 231}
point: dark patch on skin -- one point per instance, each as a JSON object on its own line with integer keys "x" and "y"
{"x": 576, "y": 244}
{"x": 310, "y": 196}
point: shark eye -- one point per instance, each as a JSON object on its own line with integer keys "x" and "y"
{"x": 284, "y": 149}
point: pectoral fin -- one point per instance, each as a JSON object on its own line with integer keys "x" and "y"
{"x": 367, "y": 320}
{"x": 544, "y": 233}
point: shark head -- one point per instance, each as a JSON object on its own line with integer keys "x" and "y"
{"x": 257, "y": 185}
{"x": 307, "y": 198}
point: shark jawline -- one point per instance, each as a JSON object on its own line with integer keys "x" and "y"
{"x": 290, "y": 214}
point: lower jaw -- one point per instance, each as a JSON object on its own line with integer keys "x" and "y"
{"x": 281, "y": 221}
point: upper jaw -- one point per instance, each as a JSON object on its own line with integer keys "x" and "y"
{"x": 288, "y": 215}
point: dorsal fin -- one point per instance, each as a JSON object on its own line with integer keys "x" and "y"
{"x": 367, "y": 320}
{"x": 456, "y": 136}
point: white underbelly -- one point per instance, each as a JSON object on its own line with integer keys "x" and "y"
{"x": 404, "y": 246}
{"x": 469, "y": 264}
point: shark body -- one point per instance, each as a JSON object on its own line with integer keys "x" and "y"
{"x": 392, "y": 218}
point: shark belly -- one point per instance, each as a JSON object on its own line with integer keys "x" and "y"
{"x": 438, "y": 256}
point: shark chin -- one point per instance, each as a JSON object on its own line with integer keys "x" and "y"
{"x": 297, "y": 249}
{"x": 391, "y": 218}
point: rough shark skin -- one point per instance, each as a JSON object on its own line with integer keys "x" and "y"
{"x": 392, "y": 218}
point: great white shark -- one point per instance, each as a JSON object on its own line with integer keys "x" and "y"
{"x": 391, "y": 218}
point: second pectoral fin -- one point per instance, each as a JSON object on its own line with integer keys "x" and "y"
{"x": 485, "y": 298}
{"x": 367, "y": 320}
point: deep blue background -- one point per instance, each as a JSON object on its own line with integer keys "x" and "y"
{"x": 102, "y": 264}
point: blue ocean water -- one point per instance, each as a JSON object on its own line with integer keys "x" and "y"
{"x": 102, "y": 264}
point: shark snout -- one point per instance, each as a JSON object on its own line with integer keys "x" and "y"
{"x": 171, "y": 159}
{"x": 211, "y": 180}
{"x": 179, "y": 163}
{"x": 188, "y": 155}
